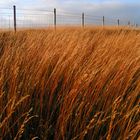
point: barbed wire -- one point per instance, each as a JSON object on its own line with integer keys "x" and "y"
{"x": 36, "y": 10}
{"x": 43, "y": 17}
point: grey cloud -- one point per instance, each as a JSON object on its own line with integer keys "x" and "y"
{"x": 109, "y": 8}
{"x": 7, "y": 2}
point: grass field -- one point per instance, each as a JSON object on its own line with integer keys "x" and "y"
{"x": 70, "y": 84}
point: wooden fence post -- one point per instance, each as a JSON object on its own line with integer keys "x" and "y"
{"x": 54, "y": 18}
{"x": 103, "y": 22}
{"x": 128, "y": 23}
{"x": 118, "y": 22}
{"x": 15, "y": 24}
{"x": 83, "y": 20}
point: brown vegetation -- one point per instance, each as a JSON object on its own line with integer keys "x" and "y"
{"x": 72, "y": 84}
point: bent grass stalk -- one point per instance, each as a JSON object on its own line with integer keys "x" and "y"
{"x": 80, "y": 84}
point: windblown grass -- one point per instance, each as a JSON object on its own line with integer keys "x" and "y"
{"x": 70, "y": 84}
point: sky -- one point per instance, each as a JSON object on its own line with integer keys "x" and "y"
{"x": 117, "y": 9}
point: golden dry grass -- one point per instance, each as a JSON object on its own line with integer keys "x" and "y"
{"x": 72, "y": 84}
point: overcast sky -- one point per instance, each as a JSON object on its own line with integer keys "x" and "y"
{"x": 123, "y": 9}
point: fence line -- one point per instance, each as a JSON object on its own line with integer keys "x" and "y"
{"x": 24, "y": 18}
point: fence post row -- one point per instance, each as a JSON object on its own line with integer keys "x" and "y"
{"x": 55, "y": 18}
{"x": 15, "y": 24}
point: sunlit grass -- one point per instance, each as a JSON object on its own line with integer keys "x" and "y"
{"x": 71, "y": 83}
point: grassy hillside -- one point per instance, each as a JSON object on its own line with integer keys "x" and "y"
{"x": 72, "y": 84}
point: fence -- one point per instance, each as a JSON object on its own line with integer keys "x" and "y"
{"x": 13, "y": 18}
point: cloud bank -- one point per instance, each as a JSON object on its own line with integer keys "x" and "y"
{"x": 123, "y": 10}
{"x": 114, "y": 9}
